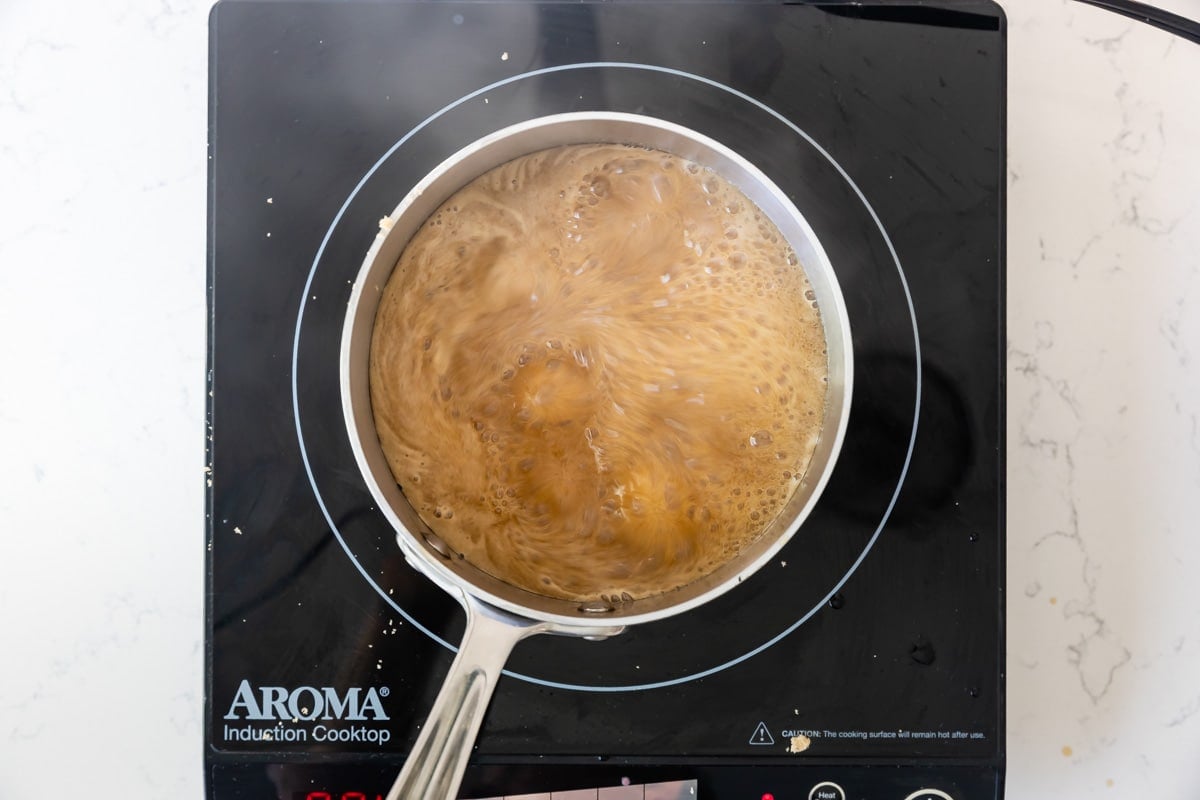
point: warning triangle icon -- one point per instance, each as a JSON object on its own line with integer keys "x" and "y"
{"x": 761, "y": 735}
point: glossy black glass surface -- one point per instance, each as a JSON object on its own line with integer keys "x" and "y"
{"x": 877, "y": 632}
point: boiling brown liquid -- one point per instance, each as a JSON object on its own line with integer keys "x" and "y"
{"x": 598, "y": 370}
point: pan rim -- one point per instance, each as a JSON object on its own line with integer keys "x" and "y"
{"x": 352, "y": 386}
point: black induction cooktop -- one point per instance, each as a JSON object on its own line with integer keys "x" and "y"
{"x": 866, "y": 661}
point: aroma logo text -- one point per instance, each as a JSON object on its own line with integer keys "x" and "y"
{"x": 306, "y": 703}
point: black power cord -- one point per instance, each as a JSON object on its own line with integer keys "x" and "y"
{"x": 1182, "y": 27}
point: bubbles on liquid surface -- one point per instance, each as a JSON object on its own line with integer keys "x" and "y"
{"x": 600, "y": 370}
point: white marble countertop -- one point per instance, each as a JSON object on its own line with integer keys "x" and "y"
{"x": 102, "y": 237}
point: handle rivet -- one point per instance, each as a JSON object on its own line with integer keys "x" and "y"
{"x": 596, "y": 607}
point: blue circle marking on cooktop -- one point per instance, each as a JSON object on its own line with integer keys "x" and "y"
{"x": 907, "y": 297}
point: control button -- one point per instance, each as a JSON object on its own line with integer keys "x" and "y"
{"x": 929, "y": 794}
{"x": 827, "y": 791}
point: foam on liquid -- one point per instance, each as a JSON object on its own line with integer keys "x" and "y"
{"x": 598, "y": 370}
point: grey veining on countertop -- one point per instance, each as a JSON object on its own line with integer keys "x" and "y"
{"x": 1104, "y": 403}
{"x": 102, "y": 188}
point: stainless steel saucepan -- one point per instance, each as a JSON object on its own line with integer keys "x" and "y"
{"x": 499, "y": 614}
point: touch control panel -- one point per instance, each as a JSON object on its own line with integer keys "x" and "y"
{"x": 371, "y": 780}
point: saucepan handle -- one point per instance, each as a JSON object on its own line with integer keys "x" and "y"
{"x": 435, "y": 766}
